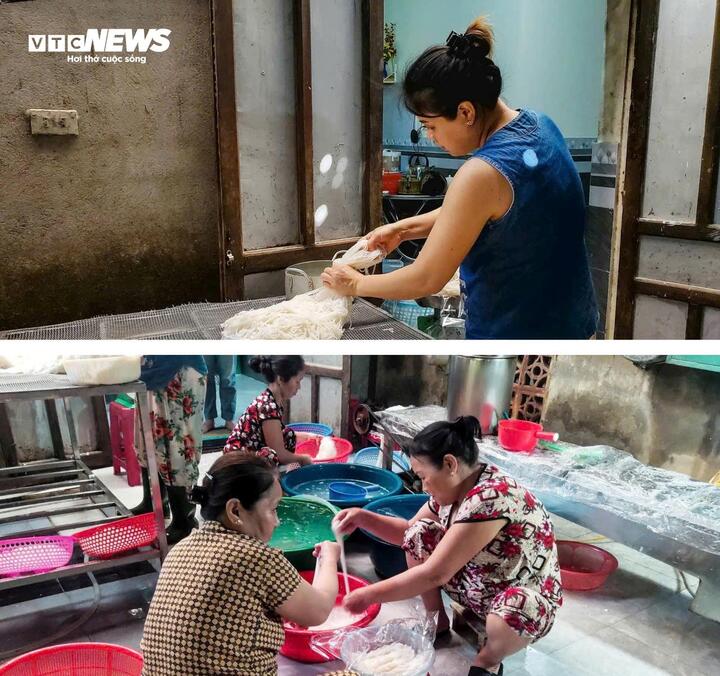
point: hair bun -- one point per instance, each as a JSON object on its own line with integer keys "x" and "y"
{"x": 199, "y": 495}
{"x": 468, "y": 426}
{"x": 480, "y": 34}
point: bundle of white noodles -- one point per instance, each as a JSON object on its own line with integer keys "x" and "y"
{"x": 452, "y": 288}
{"x": 315, "y": 315}
{"x": 395, "y": 658}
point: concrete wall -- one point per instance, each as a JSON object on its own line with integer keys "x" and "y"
{"x": 124, "y": 216}
{"x": 666, "y": 416}
{"x": 550, "y": 54}
{"x": 410, "y": 380}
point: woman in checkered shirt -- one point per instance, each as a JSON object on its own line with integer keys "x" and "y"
{"x": 222, "y": 591}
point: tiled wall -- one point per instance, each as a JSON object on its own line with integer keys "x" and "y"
{"x": 603, "y": 175}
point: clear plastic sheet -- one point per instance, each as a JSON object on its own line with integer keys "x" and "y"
{"x": 414, "y": 636}
{"x": 668, "y": 503}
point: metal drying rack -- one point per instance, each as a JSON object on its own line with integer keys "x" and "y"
{"x": 46, "y": 485}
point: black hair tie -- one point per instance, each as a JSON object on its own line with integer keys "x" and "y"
{"x": 459, "y": 46}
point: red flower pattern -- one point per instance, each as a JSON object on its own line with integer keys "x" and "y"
{"x": 174, "y": 388}
{"x": 247, "y": 433}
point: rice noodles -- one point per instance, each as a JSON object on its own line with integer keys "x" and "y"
{"x": 393, "y": 658}
{"x": 316, "y": 315}
{"x": 326, "y": 449}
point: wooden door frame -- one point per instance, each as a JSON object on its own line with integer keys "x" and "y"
{"x": 631, "y": 183}
{"x": 234, "y": 261}
{"x": 342, "y": 373}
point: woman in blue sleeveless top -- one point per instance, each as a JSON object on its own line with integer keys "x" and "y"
{"x": 513, "y": 219}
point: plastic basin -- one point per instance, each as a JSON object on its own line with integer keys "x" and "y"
{"x": 298, "y": 645}
{"x": 389, "y": 559}
{"x": 77, "y": 659}
{"x": 584, "y": 567}
{"x": 304, "y": 521}
{"x": 317, "y": 429}
{"x": 311, "y": 447}
{"x": 315, "y": 480}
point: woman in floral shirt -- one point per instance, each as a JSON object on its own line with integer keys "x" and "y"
{"x": 176, "y": 390}
{"x": 260, "y": 429}
{"x": 481, "y": 537}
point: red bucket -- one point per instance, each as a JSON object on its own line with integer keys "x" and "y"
{"x": 298, "y": 644}
{"x": 343, "y": 449}
{"x": 522, "y": 435}
{"x": 582, "y": 566}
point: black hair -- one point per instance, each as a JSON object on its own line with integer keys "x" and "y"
{"x": 272, "y": 368}
{"x": 442, "y": 438}
{"x": 237, "y": 474}
{"x": 444, "y": 76}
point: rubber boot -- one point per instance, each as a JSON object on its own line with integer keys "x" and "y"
{"x": 183, "y": 515}
{"x": 146, "y": 504}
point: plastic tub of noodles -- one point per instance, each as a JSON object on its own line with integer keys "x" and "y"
{"x": 325, "y": 449}
{"x": 298, "y": 643}
{"x": 304, "y": 521}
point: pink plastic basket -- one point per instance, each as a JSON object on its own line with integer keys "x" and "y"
{"x": 104, "y": 542}
{"x": 77, "y": 659}
{"x": 38, "y": 554}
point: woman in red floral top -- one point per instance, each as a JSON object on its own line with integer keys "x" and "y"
{"x": 260, "y": 429}
{"x": 481, "y": 537}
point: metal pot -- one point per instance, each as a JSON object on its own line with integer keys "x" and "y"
{"x": 304, "y": 277}
{"x": 480, "y": 386}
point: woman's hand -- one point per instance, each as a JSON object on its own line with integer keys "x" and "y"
{"x": 342, "y": 279}
{"x": 303, "y": 460}
{"x": 327, "y": 550}
{"x": 346, "y": 521}
{"x": 386, "y": 237}
{"x": 357, "y": 601}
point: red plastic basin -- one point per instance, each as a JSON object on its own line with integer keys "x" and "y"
{"x": 582, "y": 566}
{"x": 311, "y": 447}
{"x": 297, "y": 644}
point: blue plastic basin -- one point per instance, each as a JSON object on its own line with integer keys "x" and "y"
{"x": 315, "y": 480}
{"x": 388, "y": 559}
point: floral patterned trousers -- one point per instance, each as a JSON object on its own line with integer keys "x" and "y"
{"x": 523, "y": 609}
{"x": 176, "y": 414}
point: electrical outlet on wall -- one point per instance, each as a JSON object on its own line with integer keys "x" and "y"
{"x": 58, "y": 122}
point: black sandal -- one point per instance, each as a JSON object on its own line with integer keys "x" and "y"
{"x": 479, "y": 671}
